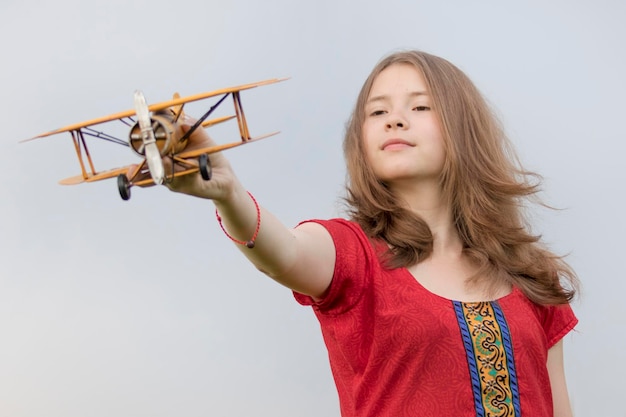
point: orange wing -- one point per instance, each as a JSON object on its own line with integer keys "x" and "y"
{"x": 217, "y": 148}
{"x": 79, "y": 179}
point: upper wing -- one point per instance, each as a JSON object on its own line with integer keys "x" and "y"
{"x": 202, "y": 96}
{"x": 157, "y": 106}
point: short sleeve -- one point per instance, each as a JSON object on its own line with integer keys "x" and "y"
{"x": 557, "y": 321}
{"x": 354, "y": 258}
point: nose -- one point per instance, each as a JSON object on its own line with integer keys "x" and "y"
{"x": 397, "y": 121}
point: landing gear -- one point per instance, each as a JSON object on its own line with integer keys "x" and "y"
{"x": 123, "y": 186}
{"x": 205, "y": 167}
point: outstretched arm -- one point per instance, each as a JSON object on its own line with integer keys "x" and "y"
{"x": 302, "y": 259}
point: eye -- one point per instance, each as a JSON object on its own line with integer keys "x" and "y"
{"x": 421, "y": 108}
{"x": 377, "y": 113}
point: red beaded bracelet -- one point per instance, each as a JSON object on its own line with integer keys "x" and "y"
{"x": 249, "y": 243}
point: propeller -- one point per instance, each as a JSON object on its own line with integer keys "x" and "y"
{"x": 153, "y": 156}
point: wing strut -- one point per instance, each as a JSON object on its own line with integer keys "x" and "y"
{"x": 241, "y": 118}
{"x": 79, "y": 146}
{"x": 202, "y": 119}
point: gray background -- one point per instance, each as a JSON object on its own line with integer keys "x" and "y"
{"x": 144, "y": 308}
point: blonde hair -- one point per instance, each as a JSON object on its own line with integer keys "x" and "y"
{"x": 482, "y": 180}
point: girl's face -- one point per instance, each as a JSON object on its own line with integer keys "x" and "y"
{"x": 402, "y": 135}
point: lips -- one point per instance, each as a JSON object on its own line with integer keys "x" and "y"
{"x": 396, "y": 143}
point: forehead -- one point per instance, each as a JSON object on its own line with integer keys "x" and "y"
{"x": 398, "y": 78}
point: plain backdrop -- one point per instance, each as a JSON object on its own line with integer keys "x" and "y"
{"x": 144, "y": 308}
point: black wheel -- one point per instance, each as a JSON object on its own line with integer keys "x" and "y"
{"x": 123, "y": 186}
{"x": 205, "y": 166}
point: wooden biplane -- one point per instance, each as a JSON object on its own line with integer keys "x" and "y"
{"x": 155, "y": 132}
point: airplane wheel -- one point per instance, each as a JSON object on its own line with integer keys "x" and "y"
{"x": 205, "y": 167}
{"x": 123, "y": 186}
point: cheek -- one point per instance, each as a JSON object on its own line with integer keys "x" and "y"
{"x": 367, "y": 143}
{"x": 439, "y": 150}
{"x": 442, "y": 155}
{"x": 437, "y": 140}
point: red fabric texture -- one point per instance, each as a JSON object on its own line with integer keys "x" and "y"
{"x": 395, "y": 348}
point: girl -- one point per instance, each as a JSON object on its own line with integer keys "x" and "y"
{"x": 433, "y": 298}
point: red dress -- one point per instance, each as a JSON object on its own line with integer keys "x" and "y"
{"x": 398, "y": 350}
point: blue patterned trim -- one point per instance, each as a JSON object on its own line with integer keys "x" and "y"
{"x": 471, "y": 358}
{"x": 507, "y": 343}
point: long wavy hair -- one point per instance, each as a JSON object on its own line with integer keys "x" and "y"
{"x": 482, "y": 180}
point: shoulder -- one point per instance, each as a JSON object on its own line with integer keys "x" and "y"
{"x": 553, "y": 321}
{"x": 356, "y": 262}
{"x": 557, "y": 320}
{"x": 337, "y": 225}
{"x": 349, "y": 238}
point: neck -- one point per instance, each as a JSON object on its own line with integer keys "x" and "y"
{"x": 428, "y": 202}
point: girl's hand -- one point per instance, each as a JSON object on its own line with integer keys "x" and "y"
{"x": 222, "y": 179}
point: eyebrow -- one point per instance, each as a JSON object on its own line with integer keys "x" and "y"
{"x": 385, "y": 97}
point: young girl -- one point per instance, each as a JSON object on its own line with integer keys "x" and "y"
{"x": 433, "y": 298}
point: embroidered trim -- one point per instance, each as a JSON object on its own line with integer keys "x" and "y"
{"x": 489, "y": 350}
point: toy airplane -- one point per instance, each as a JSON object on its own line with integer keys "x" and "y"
{"x": 156, "y": 133}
